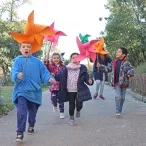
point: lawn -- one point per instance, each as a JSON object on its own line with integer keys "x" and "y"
{"x": 6, "y": 93}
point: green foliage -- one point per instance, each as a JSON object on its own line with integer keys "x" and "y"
{"x": 141, "y": 69}
{"x": 125, "y": 29}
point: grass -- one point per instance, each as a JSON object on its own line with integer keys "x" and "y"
{"x": 6, "y": 93}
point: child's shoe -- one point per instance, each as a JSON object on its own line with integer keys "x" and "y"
{"x": 62, "y": 116}
{"x": 19, "y": 137}
{"x": 30, "y": 130}
{"x": 78, "y": 114}
{"x": 118, "y": 115}
{"x": 101, "y": 96}
{"x": 54, "y": 109}
{"x": 72, "y": 121}
{"x": 95, "y": 96}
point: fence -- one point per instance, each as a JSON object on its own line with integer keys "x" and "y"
{"x": 138, "y": 84}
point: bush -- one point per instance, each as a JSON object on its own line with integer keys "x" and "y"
{"x": 141, "y": 69}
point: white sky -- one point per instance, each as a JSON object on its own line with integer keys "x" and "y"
{"x": 71, "y": 17}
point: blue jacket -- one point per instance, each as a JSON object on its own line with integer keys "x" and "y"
{"x": 98, "y": 73}
{"x": 35, "y": 73}
{"x": 83, "y": 90}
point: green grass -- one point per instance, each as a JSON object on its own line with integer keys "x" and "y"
{"x": 141, "y": 69}
{"x": 6, "y": 93}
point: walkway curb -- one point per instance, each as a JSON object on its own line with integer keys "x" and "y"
{"x": 137, "y": 96}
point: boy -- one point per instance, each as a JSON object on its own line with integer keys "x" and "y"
{"x": 121, "y": 72}
{"x": 28, "y": 73}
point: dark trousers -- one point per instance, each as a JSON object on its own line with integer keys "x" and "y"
{"x": 25, "y": 107}
{"x": 74, "y": 103}
{"x": 54, "y": 100}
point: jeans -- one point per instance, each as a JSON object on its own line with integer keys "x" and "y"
{"x": 119, "y": 98}
{"x": 74, "y": 102}
{"x": 100, "y": 84}
{"x": 54, "y": 100}
{"x": 25, "y": 107}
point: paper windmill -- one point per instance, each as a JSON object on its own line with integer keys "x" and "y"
{"x": 84, "y": 38}
{"x": 33, "y": 34}
{"x": 54, "y": 39}
{"x": 99, "y": 47}
{"x": 86, "y": 50}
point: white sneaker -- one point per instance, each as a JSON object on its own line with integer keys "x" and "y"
{"x": 54, "y": 109}
{"x": 118, "y": 114}
{"x": 62, "y": 116}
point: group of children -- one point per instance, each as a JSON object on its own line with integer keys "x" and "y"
{"x": 67, "y": 83}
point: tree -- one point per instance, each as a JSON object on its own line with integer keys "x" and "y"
{"x": 125, "y": 28}
{"x": 10, "y": 7}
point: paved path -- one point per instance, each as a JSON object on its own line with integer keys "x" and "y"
{"x": 96, "y": 127}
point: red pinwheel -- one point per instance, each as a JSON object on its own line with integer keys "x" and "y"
{"x": 86, "y": 50}
{"x": 54, "y": 39}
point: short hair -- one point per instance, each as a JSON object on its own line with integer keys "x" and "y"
{"x": 73, "y": 55}
{"x": 124, "y": 50}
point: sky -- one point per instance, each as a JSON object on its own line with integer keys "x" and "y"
{"x": 71, "y": 17}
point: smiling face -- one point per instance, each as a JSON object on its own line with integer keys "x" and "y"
{"x": 56, "y": 59}
{"x": 119, "y": 54}
{"x": 25, "y": 49}
{"x": 73, "y": 59}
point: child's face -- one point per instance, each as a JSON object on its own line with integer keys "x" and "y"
{"x": 56, "y": 59}
{"x": 25, "y": 49}
{"x": 73, "y": 60}
{"x": 119, "y": 54}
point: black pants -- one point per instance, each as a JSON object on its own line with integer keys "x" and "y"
{"x": 73, "y": 102}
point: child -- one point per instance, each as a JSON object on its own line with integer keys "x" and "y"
{"x": 54, "y": 68}
{"x": 72, "y": 86}
{"x": 28, "y": 73}
{"x": 121, "y": 72}
{"x": 100, "y": 72}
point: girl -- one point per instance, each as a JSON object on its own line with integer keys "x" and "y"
{"x": 54, "y": 67}
{"x": 72, "y": 86}
{"x": 100, "y": 72}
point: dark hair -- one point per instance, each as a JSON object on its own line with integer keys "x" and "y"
{"x": 124, "y": 50}
{"x": 73, "y": 55}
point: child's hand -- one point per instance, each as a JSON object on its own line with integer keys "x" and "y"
{"x": 128, "y": 76}
{"x": 90, "y": 81}
{"x": 52, "y": 81}
{"x": 53, "y": 74}
{"x": 98, "y": 65}
{"x": 20, "y": 76}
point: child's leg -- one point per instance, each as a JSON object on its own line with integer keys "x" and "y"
{"x": 123, "y": 93}
{"x": 98, "y": 82}
{"x": 21, "y": 114}
{"x": 102, "y": 85}
{"x": 32, "y": 111}
{"x": 72, "y": 98}
{"x": 61, "y": 105}
{"x": 118, "y": 98}
{"x": 54, "y": 98}
{"x": 79, "y": 106}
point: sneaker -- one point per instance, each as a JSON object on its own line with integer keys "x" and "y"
{"x": 19, "y": 137}
{"x": 118, "y": 114}
{"x": 72, "y": 122}
{"x": 101, "y": 96}
{"x": 95, "y": 96}
{"x": 78, "y": 114}
{"x": 30, "y": 130}
{"x": 62, "y": 116}
{"x": 54, "y": 109}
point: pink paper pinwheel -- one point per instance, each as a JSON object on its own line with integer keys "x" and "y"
{"x": 86, "y": 50}
{"x": 54, "y": 39}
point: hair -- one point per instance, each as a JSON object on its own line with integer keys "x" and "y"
{"x": 124, "y": 50}
{"x": 73, "y": 55}
{"x": 54, "y": 54}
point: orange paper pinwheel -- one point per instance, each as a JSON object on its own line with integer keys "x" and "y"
{"x": 33, "y": 34}
{"x": 99, "y": 47}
